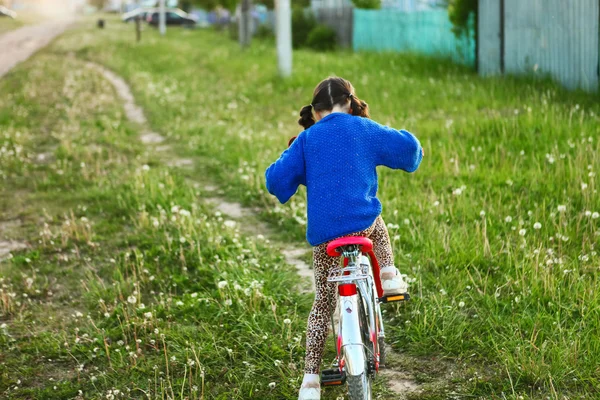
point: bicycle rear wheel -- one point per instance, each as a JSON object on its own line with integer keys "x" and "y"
{"x": 359, "y": 386}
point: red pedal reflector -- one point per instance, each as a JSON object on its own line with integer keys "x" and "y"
{"x": 334, "y": 383}
{"x": 347, "y": 289}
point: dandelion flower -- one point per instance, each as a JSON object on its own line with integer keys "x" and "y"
{"x": 222, "y": 284}
{"x": 595, "y": 215}
{"x": 508, "y": 219}
{"x": 287, "y": 321}
{"x": 482, "y": 213}
{"x": 522, "y": 232}
{"x": 272, "y": 385}
{"x": 588, "y": 213}
{"x": 132, "y": 299}
{"x": 228, "y": 302}
{"x": 182, "y": 240}
{"x": 562, "y": 208}
{"x": 537, "y": 225}
{"x": 229, "y": 223}
{"x": 461, "y": 304}
{"x": 146, "y": 167}
{"x": 148, "y": 315}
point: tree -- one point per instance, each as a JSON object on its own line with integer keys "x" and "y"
{"x": 459, "y": 12}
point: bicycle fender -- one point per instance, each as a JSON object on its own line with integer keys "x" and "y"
{"x": 351, "y": 338}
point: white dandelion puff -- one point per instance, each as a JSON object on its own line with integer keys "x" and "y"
{"x": 222, "y": 284}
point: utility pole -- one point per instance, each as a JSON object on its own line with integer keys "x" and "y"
{"x": 162, "y": 25}
{"x": 283, "y": 19}
{"x": 245, "y": 22}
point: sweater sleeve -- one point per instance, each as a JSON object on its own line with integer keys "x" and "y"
{"x": 396, "y": 149}
{"x": 285, "y": 175}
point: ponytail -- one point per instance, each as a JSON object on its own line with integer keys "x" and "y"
{"x": 359, "y": 107}
{"x": 306, "y": 117}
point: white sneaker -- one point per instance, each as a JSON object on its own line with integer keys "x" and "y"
{"x": 311, "y": 387}
{"x": 392, "y": 282}
{"x": 309, "y": 393}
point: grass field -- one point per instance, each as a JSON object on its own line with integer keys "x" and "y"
{"x": 8, "y": 24}
{"x": 499, "y": 228}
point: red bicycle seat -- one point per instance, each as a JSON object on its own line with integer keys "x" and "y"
{"x": 366, "y": 246}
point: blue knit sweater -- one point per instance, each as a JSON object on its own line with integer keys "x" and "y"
{"x": 336, "y": 160}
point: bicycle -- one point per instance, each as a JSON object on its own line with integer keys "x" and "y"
{"x": 360, "y": 334}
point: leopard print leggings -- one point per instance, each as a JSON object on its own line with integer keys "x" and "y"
{"x": 325, "y": 296}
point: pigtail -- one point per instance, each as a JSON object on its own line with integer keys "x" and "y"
{"x": 359, "y": 107}
{"x": 306, "y": 117}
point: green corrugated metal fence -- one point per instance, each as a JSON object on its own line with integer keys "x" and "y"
{"x": 428, "y": 32}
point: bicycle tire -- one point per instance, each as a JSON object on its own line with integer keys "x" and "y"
{"x": 359, "y": 387}
{"x": 381, "y": 345}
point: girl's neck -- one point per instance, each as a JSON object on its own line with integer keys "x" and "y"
{"x": 336, "y": 109}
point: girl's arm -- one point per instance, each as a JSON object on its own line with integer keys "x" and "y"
{"x": 288, "y": 172}
{"x": 397, "y": 149}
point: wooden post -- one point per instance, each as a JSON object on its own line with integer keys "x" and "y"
{"x": 138, "y": 29}
{"x": 283, "y": 31}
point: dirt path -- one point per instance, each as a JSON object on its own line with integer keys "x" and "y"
{"x": 15, "y": 47}
{"x": 18, "y": 45}
{"x": 400, "y": 381}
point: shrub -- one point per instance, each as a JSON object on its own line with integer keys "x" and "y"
{"x": 264, "y": 32}
{"x": 459, "y": 12}
{"x": 322, "y": 38}
{"x": 303, "y": 22}
{"x": 367, "y": 3}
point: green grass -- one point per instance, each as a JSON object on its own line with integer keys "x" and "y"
{"x": 130, "y": 283}
{"x": 8, "y": 24}
{"x": 514, "y": 307}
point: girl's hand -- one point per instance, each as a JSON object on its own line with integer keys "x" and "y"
{"x": 422, "y": 152}
{"x": 292, "y": 141}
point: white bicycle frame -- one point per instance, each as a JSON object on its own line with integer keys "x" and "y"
{"x": 351, "y": 346}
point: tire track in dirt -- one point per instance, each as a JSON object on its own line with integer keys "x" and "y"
{"x": 400, "y": 382}
{"x": 17, "y": 46}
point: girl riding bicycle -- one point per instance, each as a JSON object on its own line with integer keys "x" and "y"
{"x": 336, "y": 157}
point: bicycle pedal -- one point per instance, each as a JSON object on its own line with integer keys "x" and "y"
{"x": 392, "y": 298}
{"x": 332, "y": 377}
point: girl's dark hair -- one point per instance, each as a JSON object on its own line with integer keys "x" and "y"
{"x": 327, "y": 94}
